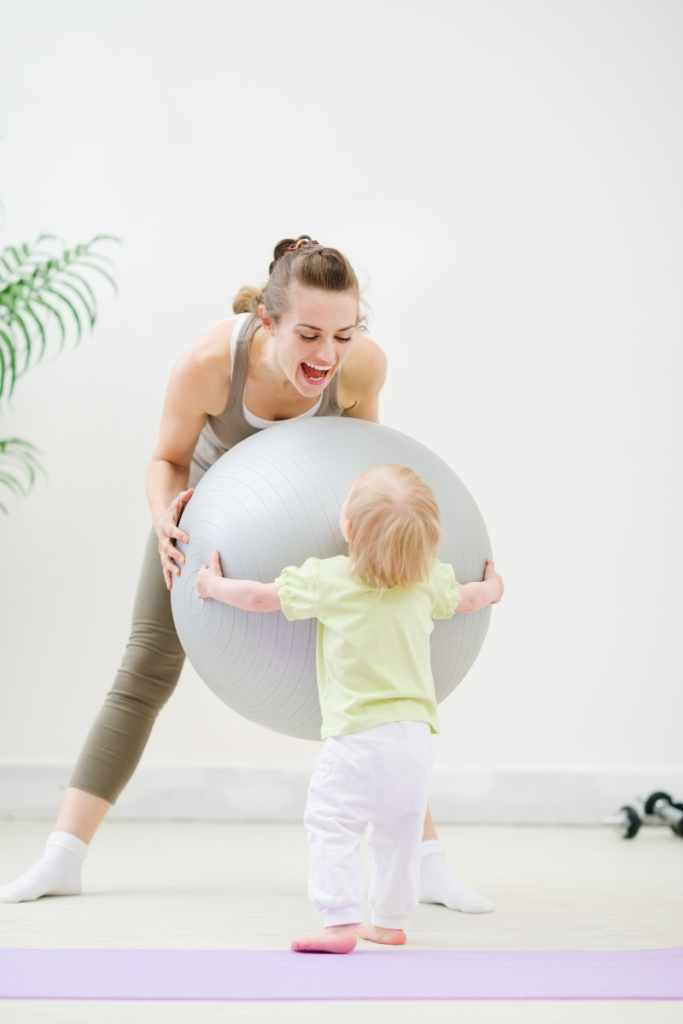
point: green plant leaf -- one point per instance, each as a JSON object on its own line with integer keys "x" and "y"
{"x": 13, "y": 251}
{"x": 65, "y": 283}
{"x": 41, "y": 281}
{"x": 11, "y": 351}
{"x": 14, "y": 485}
{"x": 57, "y": 315}
{"x": 16, "y": 319}
{"x": 102, "y": 271}
{"x": 74, "y": 311}
{"x": 19, "y": 467}
{"x": 4, "y": 369}
{"x": 86, "y": 284}
{"x": 28, "y": 308}
{"x": 48, "y": 238}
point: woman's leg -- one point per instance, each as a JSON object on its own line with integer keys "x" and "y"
{"x": 429, "y": 831}
{"x": 81, "y": 814}
{"x": 58, "y": 872}
{"x": 146, "y": 679}
{"x": 438, "y": 884}
{"x": 148, "y": 675}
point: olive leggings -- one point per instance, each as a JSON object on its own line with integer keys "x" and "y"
{"x": 146, "y": 679}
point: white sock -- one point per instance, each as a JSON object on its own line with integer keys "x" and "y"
{"x": 57, "y": 873}
{"x": 438, "y": 885}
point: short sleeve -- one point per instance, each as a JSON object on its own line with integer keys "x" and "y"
{"x": 446, "y": 591}
{"x": 299, "y": 589}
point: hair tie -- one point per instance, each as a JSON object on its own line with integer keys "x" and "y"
{"x": 301, "y": 242}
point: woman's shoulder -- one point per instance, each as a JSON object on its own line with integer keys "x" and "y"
{"x": 210, "y": 352}
{"x": 365, "y": 370}
{"x": 205, "y": 367}
{"x": 214, "y": 343}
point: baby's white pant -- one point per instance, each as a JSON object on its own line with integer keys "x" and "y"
{"x": 378, "y": 777}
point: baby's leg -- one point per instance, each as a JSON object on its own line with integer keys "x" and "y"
{"x": 385, "y": 936}
{"x": 395, "y": 880}
{"x": 339, "y": 938}
{"x": 334, "y": 828}
{"x": 394, "y": 841}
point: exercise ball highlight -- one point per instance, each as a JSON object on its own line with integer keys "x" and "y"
{"x": 274, "y": 500}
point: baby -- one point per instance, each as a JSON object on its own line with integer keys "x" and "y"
{"x": 375, "y": 609}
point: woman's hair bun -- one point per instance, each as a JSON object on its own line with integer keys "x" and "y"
{"x": 285, "y": 245}
{"x": 247, "y": 300}
{"x": 308, "y": 264}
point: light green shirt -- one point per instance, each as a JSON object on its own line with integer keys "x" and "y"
{"x": 373, "y": 651}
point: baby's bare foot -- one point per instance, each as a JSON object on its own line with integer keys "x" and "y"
{"x": 387, "y": 936}
{"x": 338, "y": 939}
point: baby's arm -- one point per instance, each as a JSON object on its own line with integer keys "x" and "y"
{"x": 246, "y": 594}
{"x": 474, "y": 596}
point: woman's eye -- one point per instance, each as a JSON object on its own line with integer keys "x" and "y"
{"x": 314, "y": 337}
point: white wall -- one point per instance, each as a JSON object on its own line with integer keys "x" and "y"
{"x": 507, "y": 178}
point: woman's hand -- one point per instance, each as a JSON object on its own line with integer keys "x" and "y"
{"x": 167, "y": 530}
{"x": 206, "y": 575}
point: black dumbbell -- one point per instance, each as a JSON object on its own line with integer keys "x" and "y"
{"x": 627, "y": 820}
{"x": 661, "y": 806}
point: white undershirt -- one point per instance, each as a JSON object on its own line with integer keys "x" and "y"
{"x": 250, "y": 417}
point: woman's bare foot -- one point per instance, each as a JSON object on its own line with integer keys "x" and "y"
{"x": 387, "y": 936}
{"x": 340, "y": 938}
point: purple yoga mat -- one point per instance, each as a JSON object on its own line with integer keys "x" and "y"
{"x": 395, "y": 974}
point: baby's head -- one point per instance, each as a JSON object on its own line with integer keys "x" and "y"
{"x": 391, "y": 521}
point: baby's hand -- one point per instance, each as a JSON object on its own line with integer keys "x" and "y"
{"x": 205, "y": 575}
{"x": 491, "y": 574}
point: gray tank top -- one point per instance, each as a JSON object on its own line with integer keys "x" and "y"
{"x": 230, "y": 427}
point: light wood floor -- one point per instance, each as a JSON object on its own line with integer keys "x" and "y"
{"x": 211, "y": 885}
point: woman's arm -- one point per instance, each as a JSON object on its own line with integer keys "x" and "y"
{"x": 361, "y": 379}
{"x": 199, "y": 385}
{"x": 246, "y": 594}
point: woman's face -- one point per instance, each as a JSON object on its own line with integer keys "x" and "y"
{"x": 314, "y": 337}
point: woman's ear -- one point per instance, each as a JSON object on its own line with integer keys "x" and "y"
{"x": 266, "y": 321}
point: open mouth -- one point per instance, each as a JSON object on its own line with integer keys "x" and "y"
{"x": 314, "y": 373}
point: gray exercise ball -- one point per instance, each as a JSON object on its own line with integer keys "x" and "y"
{"x": 274, "y": 500}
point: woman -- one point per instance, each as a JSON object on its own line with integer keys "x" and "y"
{"x": 294, "y": 350}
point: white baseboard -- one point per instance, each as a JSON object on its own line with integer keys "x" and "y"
{"x": 235, "y": 791}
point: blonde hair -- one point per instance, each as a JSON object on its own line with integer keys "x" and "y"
{"x": 394, "y": 527}
{"x": 299, "y": 261}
